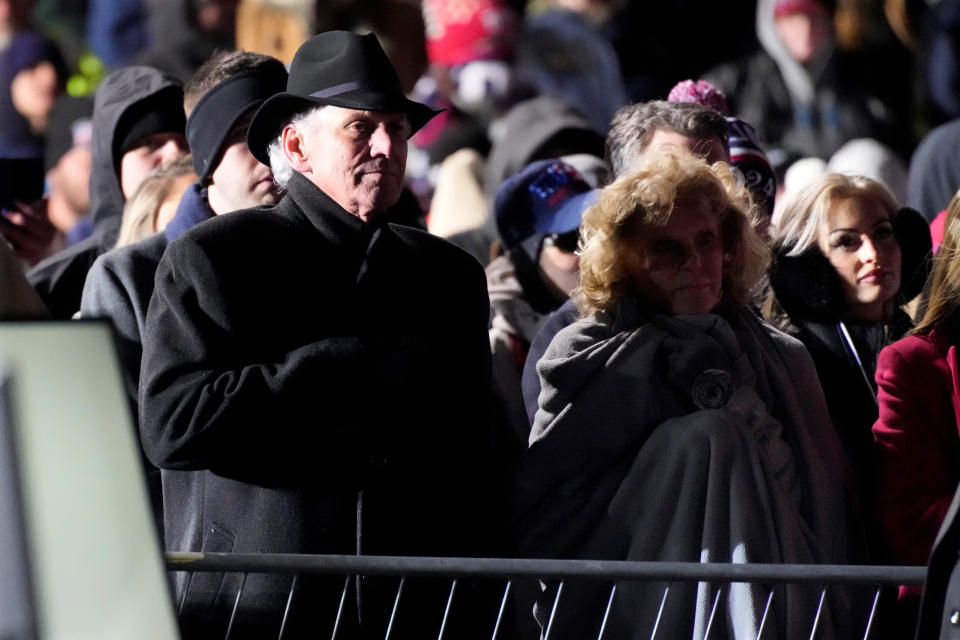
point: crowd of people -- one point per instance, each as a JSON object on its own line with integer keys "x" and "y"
{"x": 532, "y": 300}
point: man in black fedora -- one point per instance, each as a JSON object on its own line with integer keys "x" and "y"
{"x": 322, "y": 374}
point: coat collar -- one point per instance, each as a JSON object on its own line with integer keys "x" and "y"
{"x": 333, "y": 222}
{"x": 191, "y": 211}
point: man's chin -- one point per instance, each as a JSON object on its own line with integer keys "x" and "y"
{"x": 266, "y": 193}
{"x": 381, "y": 199}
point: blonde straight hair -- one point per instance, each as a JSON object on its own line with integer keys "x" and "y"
{"x": 796, "y": 226}
{"x": 944, "y": 297}
{"x": 140, "y": 211}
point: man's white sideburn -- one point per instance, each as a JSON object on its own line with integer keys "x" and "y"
{"x": 282, "y": 169}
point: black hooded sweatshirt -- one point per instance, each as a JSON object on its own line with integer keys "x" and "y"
{"x": 59, "y": 279}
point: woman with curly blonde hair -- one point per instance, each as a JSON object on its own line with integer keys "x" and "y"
{"x": 674, "y": 424}
{"x": 642, "y": 209}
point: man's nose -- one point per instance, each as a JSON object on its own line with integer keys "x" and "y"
{"x": 381, "y": 143}
{"x": 47, "y": 74}
{"x": 169, "y": 150}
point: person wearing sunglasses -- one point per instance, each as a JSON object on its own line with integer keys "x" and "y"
{"x": 537, "y": 212}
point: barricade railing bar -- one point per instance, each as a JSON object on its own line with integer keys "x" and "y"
{"x": 560, "y": 571}
{"x": 544, "y": 569}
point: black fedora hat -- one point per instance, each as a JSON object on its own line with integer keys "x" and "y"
{"x": 337, "y": 68}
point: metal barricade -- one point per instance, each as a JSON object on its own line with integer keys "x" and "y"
{"x": 511, "y": 570}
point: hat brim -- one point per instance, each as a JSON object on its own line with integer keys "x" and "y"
{"x": 276, "y": 111}
{"x": 568, "y": 216}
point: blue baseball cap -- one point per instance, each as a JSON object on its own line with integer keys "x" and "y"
{"x": 545, "y": 197}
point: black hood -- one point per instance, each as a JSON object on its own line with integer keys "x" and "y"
{"x": 118, "y": 92}
{"x": 59, "y": 279}
{"x": 542, "y": 127}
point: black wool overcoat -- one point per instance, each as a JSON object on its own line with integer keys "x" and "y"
{"x": 312, "y": 383}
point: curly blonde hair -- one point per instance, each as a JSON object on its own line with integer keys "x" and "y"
{"x": 646, "y": 199}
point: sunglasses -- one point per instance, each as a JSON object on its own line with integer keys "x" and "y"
{"x": 566, "y": 242}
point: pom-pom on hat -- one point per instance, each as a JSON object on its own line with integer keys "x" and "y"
{"x": 701, "y": 92}
{"x": 462, "y": 31}
{"x": 545, "y": 197}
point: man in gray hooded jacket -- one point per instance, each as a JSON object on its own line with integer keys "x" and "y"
{"x": 138, "y": 124}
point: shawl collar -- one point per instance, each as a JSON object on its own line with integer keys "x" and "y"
{"x": 591, "y": 414}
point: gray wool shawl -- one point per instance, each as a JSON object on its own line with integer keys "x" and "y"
{"x": 686, "y": 438}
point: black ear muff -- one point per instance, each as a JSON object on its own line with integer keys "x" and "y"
{"x": 916, "y": 248}
{"x": 807, "y": 286}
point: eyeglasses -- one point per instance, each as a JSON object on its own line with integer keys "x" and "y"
{"x": 566, "y": 242}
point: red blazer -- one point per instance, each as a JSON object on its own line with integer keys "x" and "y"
{"x": 917, "y": 442}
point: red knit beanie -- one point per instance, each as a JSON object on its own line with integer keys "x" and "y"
{"x": 461, "y": 31}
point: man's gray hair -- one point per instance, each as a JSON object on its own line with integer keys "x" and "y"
{"x": 282, "y": 170}
{"x": 634, "y": 125}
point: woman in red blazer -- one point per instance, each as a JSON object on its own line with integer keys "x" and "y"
{"x": 917, "y": 442}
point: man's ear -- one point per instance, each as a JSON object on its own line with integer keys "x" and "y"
{"x": 291, "y": 142}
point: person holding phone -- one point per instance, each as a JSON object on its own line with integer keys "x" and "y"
{"x": 23, "y": 212}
